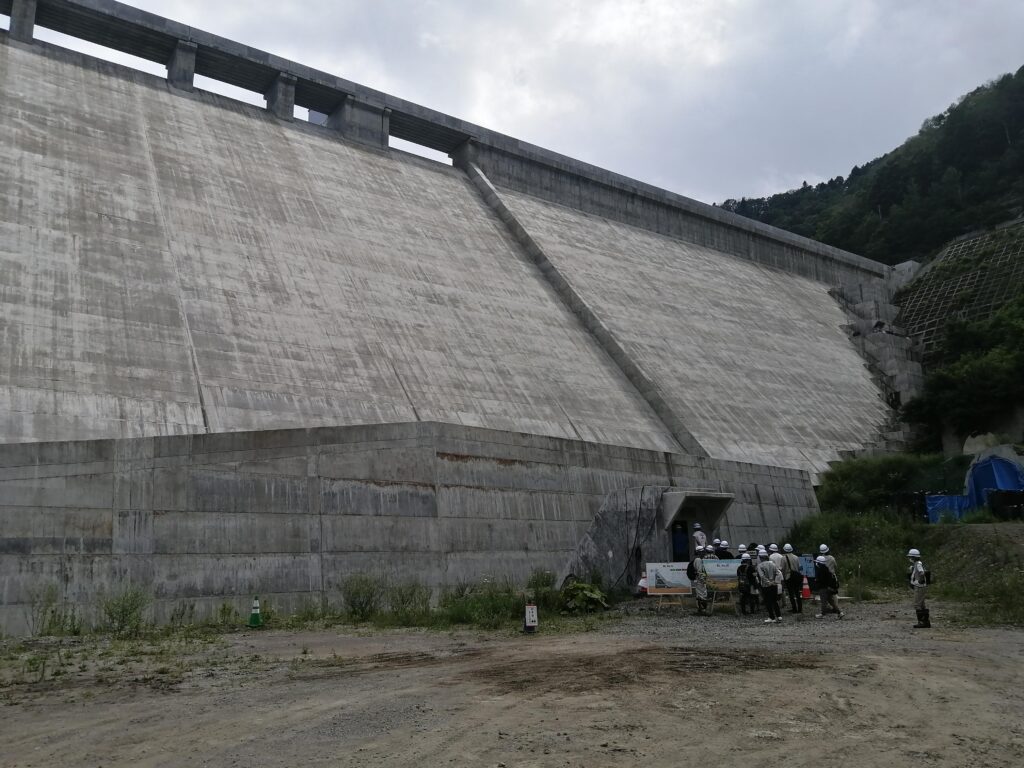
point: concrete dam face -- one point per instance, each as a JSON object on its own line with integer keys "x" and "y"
{"x": 221, "y": 328}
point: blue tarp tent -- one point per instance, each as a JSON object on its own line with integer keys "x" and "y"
{"x": 992, "y": 473}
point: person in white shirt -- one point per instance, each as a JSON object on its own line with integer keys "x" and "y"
{"x": 769, "y": 578}
{"x": 919, "y": 583}
{"x": 699, "y": 538}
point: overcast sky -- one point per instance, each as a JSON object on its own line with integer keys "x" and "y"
{"x": 717, "y": 99}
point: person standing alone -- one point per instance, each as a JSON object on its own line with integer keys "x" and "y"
{"x": 919, "y": 583}
{"x": 699, "y": 538}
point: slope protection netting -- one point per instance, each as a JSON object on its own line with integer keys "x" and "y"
{"x": 969, "y": 280}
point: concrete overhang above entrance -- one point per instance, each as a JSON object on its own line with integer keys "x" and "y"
{"x": 704, "y": 507}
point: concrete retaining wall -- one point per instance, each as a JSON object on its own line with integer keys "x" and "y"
{"x": 214, "y": 519}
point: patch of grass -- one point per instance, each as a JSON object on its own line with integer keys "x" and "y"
{"x": 541, "y": 589}
{"x": 487, "y": 605}
{"x": 361, "y": 595}
{"x": 408, "y": 603}
{"x": 48, "y": 615}
{"x": 982, "y": 573}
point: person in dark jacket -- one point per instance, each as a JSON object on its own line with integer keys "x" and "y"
{"x": 827, "y": 584}
{"x": 746, "y": 577}
{"x": 793, "y": 579}
{"x": 723, "y": 551}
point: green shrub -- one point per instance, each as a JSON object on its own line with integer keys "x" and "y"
{"x": 541, "y": 589}
{"x": 487, "y": 605}
{"x": 361, "y": 595}
{"x": 48, "y": 615}
{"x": 309, "y": 610}
{"x": 979, "y": 516}
{"x": 409, "y": 602}
{"x": 123, "y": 612}
{"x": 228, "y": 616}
{"x": 858, "y": 485}
{"x": 581, "y": 597}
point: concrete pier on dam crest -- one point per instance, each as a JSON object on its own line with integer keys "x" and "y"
{"x": 244, "y": 353}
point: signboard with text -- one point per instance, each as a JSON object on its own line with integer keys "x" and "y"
{"x": 721, "y": 574}
{"x": 667, "y": 579}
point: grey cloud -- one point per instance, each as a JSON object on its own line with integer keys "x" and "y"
{"x": 710, "y": 99}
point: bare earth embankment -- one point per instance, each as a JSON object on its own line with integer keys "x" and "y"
{"x": 650, "y": 690}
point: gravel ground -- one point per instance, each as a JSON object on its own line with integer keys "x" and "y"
{"x": 649, "y": 689}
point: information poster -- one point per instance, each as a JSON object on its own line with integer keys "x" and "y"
{"x": 667, "y": 579}
{"x": 721, "y": 575}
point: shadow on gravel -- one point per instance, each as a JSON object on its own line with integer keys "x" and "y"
{"x": 595, "y": 672}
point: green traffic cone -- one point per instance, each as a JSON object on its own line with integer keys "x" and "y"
{"x": 255, "y": 619}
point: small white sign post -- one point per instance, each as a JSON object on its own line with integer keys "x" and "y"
{"x": 530, "y": 619}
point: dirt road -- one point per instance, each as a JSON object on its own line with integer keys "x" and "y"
{"x": 649, "y": 690}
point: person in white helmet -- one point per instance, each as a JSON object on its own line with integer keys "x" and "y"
{"x": 830, "y": 561}
{"x": 743, "y": 577}
{"x": 770, "y": 580}
{"x": 699, "y": 537}
{"x": 793, "y": 579}
{"x": 723, "y": 551}
{"x": 775, "y": 556}
{"x": 919, "y": 578}
{"x": 698, "y": 580}
{"x": 827, "y": 584}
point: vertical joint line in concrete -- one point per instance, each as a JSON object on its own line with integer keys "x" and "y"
{"x": 575, "y": 303}
{"x": 404, "y": 390}
{"x": 177, "y": 273}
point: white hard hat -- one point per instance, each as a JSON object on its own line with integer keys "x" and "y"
{"x": 696, "y": 526}
{"x": 716, "y": 541}
{"x": 745, "y": 556}
{"x": 743, "y": 547}
{"x": 914, "y": 553}
{"x": 774, "y": 547}
{"x": 762, "y": 553}
{"x": 787, "y": 548}
{"x": 724, "y": 543}
{"x": 760, "y": 548}
{"x": 820, "y": 559}
{"x": 823, "y": 549}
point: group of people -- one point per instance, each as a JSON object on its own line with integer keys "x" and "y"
{"x": 765, "y": 573}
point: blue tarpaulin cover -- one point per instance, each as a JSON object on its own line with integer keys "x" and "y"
{"x": 993, "y": 473}
{"x": 950, "y": 507}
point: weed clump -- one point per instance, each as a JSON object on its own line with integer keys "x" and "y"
{"x": 123, "y": 612}
{"x": 361, "y": 595}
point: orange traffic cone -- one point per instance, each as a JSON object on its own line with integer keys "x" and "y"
{"x": 805, "y": 593}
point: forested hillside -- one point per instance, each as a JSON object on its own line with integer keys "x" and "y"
{"x": 963, "y": 171}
